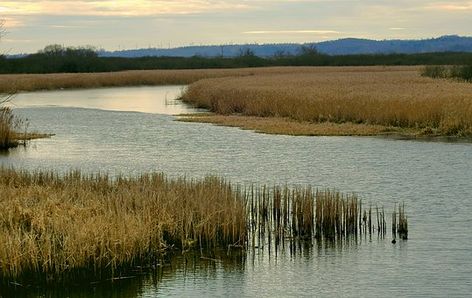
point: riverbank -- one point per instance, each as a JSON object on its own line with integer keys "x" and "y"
{"x": 313, "y": 101}
{"x": 287, "y": 126}
{"x": 11, "y": 83}
{"x": 338, "y": 101}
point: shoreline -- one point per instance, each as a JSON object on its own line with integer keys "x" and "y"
{"x": 289, "y": 127}
{"x": 21, "y": 139}
{"x": 13, "y": 83}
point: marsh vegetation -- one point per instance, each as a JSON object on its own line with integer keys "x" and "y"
{"x": 459, "y": 73}
{"x": 52, "y": 226}
{"x": 14, "y": 130}
{"x": 395, "y": 98}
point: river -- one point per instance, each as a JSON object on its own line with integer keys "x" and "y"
{"x": 133, "y": 130}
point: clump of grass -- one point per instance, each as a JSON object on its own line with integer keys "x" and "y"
{"x": 436, "y": 71}
{"x": 399, "y": 222}
{"x": 402, "y": 222}
{"x": 389, "y": 97}
{"x": 7, "y": 134}
{"x": 14, "y": 131}
{"x": 463, "y": 73}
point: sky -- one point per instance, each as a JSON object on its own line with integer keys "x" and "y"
{"x": 30, "y": 25}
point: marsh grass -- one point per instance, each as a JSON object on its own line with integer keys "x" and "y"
{"x": 7, "y": 139}
{"x": 392, "y": 97}
{"x": 287, "y": 126}
{"x": 51, "y": 225}
{"x": 14, "y": 130}
{"x": 34, "y": 82}
{"x": 59, "y": 227}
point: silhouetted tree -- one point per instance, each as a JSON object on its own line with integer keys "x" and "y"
{"x": 246, "y": 52}
{"x": 308, "y": 50}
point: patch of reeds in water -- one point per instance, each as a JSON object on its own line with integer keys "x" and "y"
{"x": 399, "y": 222}
{"x": 13, "y": 130}
{"x": 286, "y": 214}
{"x": 6, "y": 128}
{"x": 55, "y": 225}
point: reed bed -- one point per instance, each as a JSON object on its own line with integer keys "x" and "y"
{"x": 397, "y": 97}
{"x": 33, "y": 82}
{"x": 56, "y": 226}
{"x": 51, "y": 225}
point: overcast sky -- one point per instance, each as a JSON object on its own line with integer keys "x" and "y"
{"x": 127, "y": 24}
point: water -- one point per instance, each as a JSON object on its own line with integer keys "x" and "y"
{"x": 132, "y": 130}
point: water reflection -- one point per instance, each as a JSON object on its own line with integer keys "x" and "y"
{"x": 157, "y": 100}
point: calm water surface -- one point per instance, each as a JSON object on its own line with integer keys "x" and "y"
{"x": 132, "y": 130}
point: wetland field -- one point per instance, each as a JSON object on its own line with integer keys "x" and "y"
{"x": 315, "y": 181}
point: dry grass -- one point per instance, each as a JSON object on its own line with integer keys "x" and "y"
{"x": 13, "y": 130}
{"x": 7, "y": 120}
{"x": 57, "y": 227}
{"x": 384, "y": 96}
{"x": 287, "y": 126}
{"x": 34, "y": 82}
{"x": 51, "y": 224}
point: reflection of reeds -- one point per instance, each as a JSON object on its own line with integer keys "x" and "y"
{"x": 51, "y": 224}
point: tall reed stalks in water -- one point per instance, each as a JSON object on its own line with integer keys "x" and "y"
{"x": 52, "y": 225}
{"x": 6, "y": 128}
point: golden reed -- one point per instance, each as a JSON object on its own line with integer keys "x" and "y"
{"x": 387, "y": 96}
{"x": 52, "y": 225}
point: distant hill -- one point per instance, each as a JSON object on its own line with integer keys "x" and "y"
{"x": 347, "y": 46}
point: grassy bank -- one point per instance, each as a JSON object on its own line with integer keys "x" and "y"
{"x": 374, "y": 100}
{"x": 55, "y": 227}
{"x": 287, "y": 126}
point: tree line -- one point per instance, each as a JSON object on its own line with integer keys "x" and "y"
{"x": 59, "y": 59}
